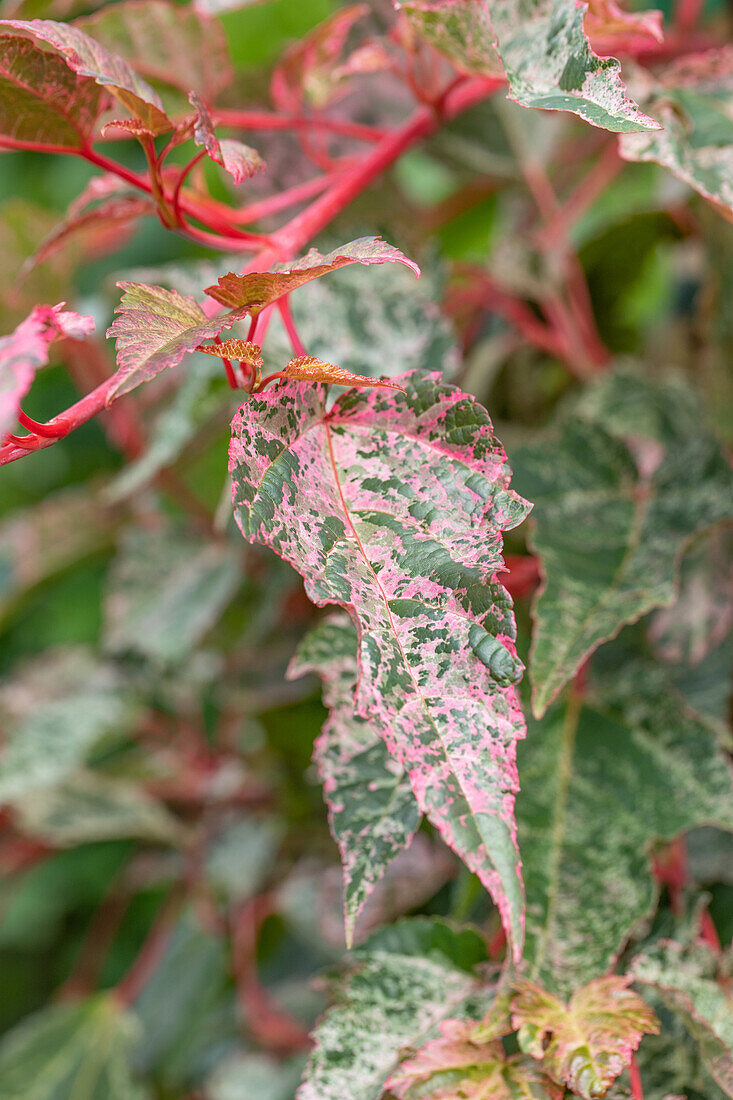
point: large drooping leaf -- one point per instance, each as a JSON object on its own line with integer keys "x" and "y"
{"x": 587, "y": 1043}
{"x": 155, "y": 328}
{"x": 372, "y": 810}
{"x": 88, "y": 806}
{"x": 166, "y": 43}
{"x": 459, "y": 29}
{"x": 405, "y": 981}
{"x": 393, "y": 507}
{"x": 456, "y": 1067}
{"x": 167, "y": 588}
{"x": 693, "y": 100}
{"x": 236, "y": 158}
{"x": 259, "y": 289}
{"x": 601, "y": 781}
{"x": 87, "y": 58}
{"x": 42, "y": 101}
{"x": 24, "y": 351}
{"x": 53, "y": 714}
{"x": 78, "y": 1050}
{"x": 688, "y": 982}
{"x": 631, "y": 478}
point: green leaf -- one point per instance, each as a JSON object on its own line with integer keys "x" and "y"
{"x": 618, "y": 494}
{"x": 166, "y": 43}
{"x": 55, "y": 712}
{"x": 692, "y": 99}
{"x": 88, "y": 806}
{"x": 71, "y": 1050}
{"x": 396, "y": 996}
{"x": 372, "y": 811}
{"x": 42, "y": 102}
{"x": 600, "y": 782}
{"x": 393, "y": 507}
{"x": 587, "y": 1043}
{"x": 167, "y": 588}
{"x": 252, "y": 292}
{"x": 240, "y": 857}
{"x": 687, "y": 982}
{"x": 459, "y": 29}
{"x": 87, "y": 58}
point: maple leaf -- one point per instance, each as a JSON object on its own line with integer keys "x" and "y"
{"x": 85, "y": 56}
{"x": 257, "y": 289}
{"x": 394, "y": 509}
{"x": 155, "y": 328}
{"x": 24, "y": 351}
{"x": 236, "y": 158}
{"x": 304, "y": 368}
{"x": 587, "y": 1043}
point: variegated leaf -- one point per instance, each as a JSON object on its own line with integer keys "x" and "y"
{"x": 236, "y": 158}
{"x": 587, "y": 1043}
{"x": 455, "y": 1067}
{"x": 631, "y": 478}
{"x": 372, "y": 810}
{"x": 42, "y": 101}
{"x": 601, "y": 781}
{"x": 406, "y": 980}
{"x": 688, "y": 983}
{"x": 257, "y": 289}
{"x": 550, "y": 65}
{"x": 155, "y": 328}
{"x": 25, "y": 351}
{"x": 87, "y": 58}
{"x": 459, "y": 29}
{"x": 393, "y": 507}
{"x": 693, "y": 100}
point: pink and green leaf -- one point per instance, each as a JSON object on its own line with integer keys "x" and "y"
{"x": 459, "y": 29}
{"x": 25, "y": 351}
{"x": 394, "y": 508}
{"x": 236, "y": 158}
{"x": 310, "y": 70}
{"x": 305, "y": 368}
{"x": 42, "y": 101}
{"x": 256, "y": 290}
{"x": 87, "y": 58}
{"x": 587, "y": 1043}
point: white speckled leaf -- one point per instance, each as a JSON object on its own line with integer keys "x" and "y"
{"x": 405, "y": 982}
{"x": 600, "y": 782}
{"x": 693, "y": 101}
{"x": 550, "y": 65}
{"x": 687, "y": 982}
{"x": 372, "y": 810}
{"x": 393, "y": 507}
{"x": 631, "y": 478}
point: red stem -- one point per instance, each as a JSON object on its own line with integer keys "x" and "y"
{"x": 269, "y": 120}
{"x": 298, "y": 346}
{"x": 637, "y": 1091}
{"x": 48, "y": 431}
{"x": 179, "y": 184}
{"x": 152, "y": 951}
{"x": 273, "y": 204}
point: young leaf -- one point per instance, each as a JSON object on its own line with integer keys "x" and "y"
{"x": 371, "y": 808}
{"x": 241, "y": 351}
{"x": 394, "y": 509}
{"x": 24, "y": 351}
{"x": 42, "y": 102}
{"x": 71, "y": 1049}
{"x": 459, "y": 29}
{"x": 611, "y": 522}
{"x": 587, "y": 1043}
{"x": 155, "y": 328}
{"x": 256, "y": 290}
{"x": 405, "y": 981}
{"x": 693, "y": 101}
{"x": 600, "y": 782}
{"x": 687, "y": 983}
{"x": 550, "y": 65}
{"x": 239, "y": 160}
{"x": 87, "y": 58}
{"x": 167, "y": 588}
{"x": 305, "y": 368}
{"x": 454, "y": 1067}
{"x": 166, "y": 43}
